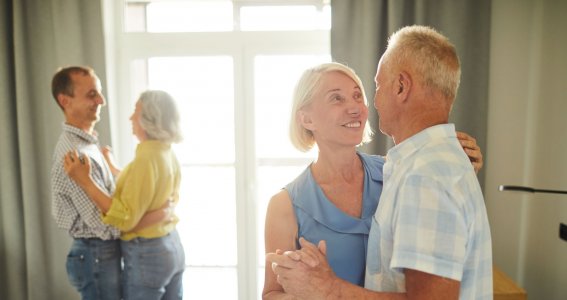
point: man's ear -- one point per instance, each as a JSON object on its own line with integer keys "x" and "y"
{"x": 63, "y": 100}
{"x": 305, "y": 120}
{"x": 403, "y": 84}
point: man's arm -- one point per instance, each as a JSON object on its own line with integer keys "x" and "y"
{"x": 165, "y": 212}
{"x": 79, "y": 169}
{"x": 317, "y": 280}
{"x": 421, "y": 285}
{"x": 314, "y": 279}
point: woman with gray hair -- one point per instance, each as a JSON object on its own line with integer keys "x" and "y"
{"x": 153, "y": 255}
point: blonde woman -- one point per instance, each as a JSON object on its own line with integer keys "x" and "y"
{"x": 335, "y": 197}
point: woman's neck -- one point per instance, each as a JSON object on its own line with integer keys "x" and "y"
{"x": 337, "y": 164}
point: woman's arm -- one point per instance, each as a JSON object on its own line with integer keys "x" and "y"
{"x": 79, "y": 169}
{"x": 109, "y": 157}
{"x": 280, "y": 234}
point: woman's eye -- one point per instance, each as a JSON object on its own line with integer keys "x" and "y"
{"x": 338, "y": 98}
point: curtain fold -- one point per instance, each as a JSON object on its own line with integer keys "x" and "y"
{"x": 359, "y": 34}
{"x": 12, "y": 258}
{"x": 38, "y": 37}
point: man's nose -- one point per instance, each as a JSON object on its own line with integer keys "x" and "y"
{"x": 101, "y": 100}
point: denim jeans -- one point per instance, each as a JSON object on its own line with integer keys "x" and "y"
{"x": 94, "y": 267}
{"x": 153, "y": 268}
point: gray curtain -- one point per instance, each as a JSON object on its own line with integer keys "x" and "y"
{"x": 359, "y": 34}
{"x": 38, "y": 36}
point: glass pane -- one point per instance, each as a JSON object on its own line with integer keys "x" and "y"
{"x": 270, "y": 181}
{"x": 260, "y": 279}
{"x": 275, "y": 77}
{"x": 207, "y": 213}
{"x": 204, "y": 90}
{"x": 135, "y": 17}
{"x": 299, "y": 17}
{"x": 189, "y": 16}
{"x": 210, "y": 283}
{"x": 138, "y": 78}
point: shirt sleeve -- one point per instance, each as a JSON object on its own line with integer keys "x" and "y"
{"x": 135, "y": 190}
{"x": 430, "y": 232}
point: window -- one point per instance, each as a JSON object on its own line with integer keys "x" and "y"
{"x": 232, "y": 66}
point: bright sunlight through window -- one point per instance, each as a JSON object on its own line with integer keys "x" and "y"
{"x": 232, "y": 67}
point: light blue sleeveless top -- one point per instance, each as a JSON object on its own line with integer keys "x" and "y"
{"x": 346, "y": 236}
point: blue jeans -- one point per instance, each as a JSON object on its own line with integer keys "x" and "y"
{"x": 153, "y": 268}
{"x": 93, "y": 268}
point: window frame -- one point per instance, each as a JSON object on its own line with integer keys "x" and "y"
{"x": 123, "y": 47}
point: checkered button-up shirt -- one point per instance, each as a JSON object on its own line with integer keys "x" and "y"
{"x": 71, "y": 208}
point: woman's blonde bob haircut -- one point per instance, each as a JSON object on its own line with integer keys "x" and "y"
{"x": 306, "y": 88}
{"x": 160, "y": 117}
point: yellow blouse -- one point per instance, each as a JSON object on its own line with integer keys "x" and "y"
{"x": 145, "y": 184}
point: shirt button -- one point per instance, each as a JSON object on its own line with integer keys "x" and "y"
{"x": 96, "y": 260}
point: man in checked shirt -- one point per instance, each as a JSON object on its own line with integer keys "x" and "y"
{"x": 94, "y": 260}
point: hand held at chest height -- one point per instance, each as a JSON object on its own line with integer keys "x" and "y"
{"x": 77, "y": 166}
{"x": 343, "y": 185}
{"x": 128, "y": 218}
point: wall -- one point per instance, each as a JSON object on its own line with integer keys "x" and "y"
{"x": 527, "y": 143}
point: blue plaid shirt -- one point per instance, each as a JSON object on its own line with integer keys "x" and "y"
{"x": 431, "y": 217}
{"x": 71, "y": 208}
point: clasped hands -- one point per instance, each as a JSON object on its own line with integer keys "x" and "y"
{"x": 304, "y": 273}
